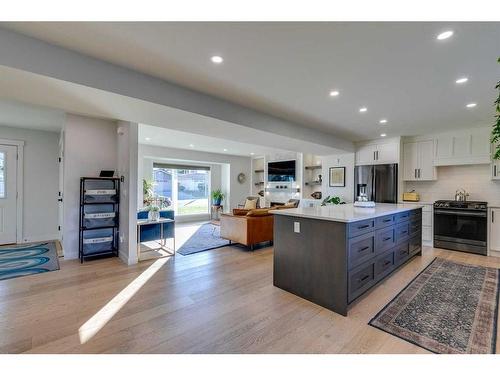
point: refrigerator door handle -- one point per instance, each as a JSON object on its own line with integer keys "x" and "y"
{"x": 415, "y": 172}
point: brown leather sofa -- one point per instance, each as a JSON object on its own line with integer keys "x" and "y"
{"x": 250, "y": 227}
{"x": 247, "y": 227}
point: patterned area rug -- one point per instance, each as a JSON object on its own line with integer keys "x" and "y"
{"x": 23, "y": 260}
{"x": 207, "y": 237}
{"x": 448, "y": 308}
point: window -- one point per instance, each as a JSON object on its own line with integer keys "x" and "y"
{"x": 187, "y": 187}
{"x": 2, "y": 174}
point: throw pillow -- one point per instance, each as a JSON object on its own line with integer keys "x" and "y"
{"x": 250, "y": 204}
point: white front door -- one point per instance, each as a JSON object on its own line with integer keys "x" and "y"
{"x": 8, "y": 194}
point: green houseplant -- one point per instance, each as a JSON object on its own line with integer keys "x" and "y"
{"x": 331, "y": 200}
{"x": 495, "y": 133}
{"x": 217, "y": 197}
{"x": 147, "y": 192}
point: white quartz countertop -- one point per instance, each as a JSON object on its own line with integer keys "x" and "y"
{"x": 346, "y": 213}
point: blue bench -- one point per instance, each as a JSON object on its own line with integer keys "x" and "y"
{"x": 152, "y": 232}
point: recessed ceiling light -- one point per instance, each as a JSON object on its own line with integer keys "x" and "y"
{"x": 471, "y": 105}
{"x": 252, "y": 153}
{"x": 147, "y": 139}
{"x": 217, "y": 59}
{"x": 462, "y": 80}
{"x": 363, "y": 109}
{"x": 191, "y": 145}
{"x": 225, "y": 149}
{"x": 383, "y": 135}
{"x": 334, "y": 93}
{"x": 444, "y": 35}
{"x": 383, "y": 121}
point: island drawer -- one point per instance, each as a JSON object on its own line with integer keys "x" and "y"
{"x": 384, "y": 239}
{"x": 361, "y": 249}
{"x": 385, "y": 221}
{"x": 415, "y": 226}
{"x": 360, "y": 279}
{"x": 402, "y": 216}
{"x": 360, "y": 227}
{"x": 402, "y": 232}
{"x": 401, "y": 253}
{"x": 416, "y": 243}
{"x": 416, "y": 214}
{"x": 384, "y": 264}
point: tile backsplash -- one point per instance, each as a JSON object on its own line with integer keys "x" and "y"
{"x": 475, "y": 179}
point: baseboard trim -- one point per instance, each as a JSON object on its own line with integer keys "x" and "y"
{"x": 49, "y": 237}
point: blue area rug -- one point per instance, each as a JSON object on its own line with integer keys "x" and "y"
{"x": 207, "y": 237}
{"x": 24, "y": 260}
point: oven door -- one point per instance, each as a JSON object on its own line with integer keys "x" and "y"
{"x": 461, "y": 226}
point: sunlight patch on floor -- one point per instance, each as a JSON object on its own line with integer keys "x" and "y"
{"x": 90, "y": 328}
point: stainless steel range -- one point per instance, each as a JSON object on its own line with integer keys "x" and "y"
{"x": 461, "y": 225}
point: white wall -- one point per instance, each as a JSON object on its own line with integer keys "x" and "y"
{"x": 90, "y": 145}
{"x": 41, "y": 171}
{"x": 235, "y": 165}
{"x": 127, "y": 170}
{"x": 475, "y": 179}
{"x": 342, "y": 160}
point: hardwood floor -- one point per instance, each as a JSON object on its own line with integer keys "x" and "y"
{"x": 220, "y": 301}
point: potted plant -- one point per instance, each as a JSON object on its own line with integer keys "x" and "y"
{"x": 217, "y": 197}
{"x": 331, "y": 200}
{"x": 154, "y": 213}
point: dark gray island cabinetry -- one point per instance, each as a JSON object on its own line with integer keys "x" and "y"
{"x": 332, "y": 255}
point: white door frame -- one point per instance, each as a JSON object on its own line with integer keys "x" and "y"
{"x": 20, "y": 184}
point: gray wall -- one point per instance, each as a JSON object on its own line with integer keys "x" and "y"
{"x": 90, "y": 145}
{"x": 41, "y": 174}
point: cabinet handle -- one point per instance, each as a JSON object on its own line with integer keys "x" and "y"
{"x": 387, "y": 238}
{"x": 363, "y": 249}
{"x": 374, "y": 157}
{"x": 387, "y": 262}
{"x": 415, "y": 173}
{"x": 364, "y": 278}
{"x": 377, "y": 154}
{"x": 363, "y": 226}
{"x": 492, "y": 216}
{"x": 495, "y": 170}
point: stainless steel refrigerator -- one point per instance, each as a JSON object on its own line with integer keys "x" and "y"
{"x": 381, "y": 182}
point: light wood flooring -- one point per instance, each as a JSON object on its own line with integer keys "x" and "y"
{"x": 219, "y": 301}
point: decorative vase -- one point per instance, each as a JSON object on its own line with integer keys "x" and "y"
{"x": 217, "y": 202}
{"x": 154, "y": 215}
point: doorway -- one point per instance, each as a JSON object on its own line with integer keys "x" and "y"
{"x": 8, "y": 194}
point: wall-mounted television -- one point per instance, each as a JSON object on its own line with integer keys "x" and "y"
{"x": 281, "y": 171}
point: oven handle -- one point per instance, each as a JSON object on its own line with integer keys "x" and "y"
{"x": 460, "y": 213}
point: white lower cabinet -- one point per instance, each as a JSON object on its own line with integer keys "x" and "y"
{"x": 494, "y": 221}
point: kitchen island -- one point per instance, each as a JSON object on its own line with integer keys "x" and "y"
{"x": 331, "y": 255}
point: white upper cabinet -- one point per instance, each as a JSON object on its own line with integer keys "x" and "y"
{"x": 495, "y": 165}
{"x": 463, "y": 147}
{"x": 418, "y": 161}
{"x": 378, "y": 153}
{"x": 366, "y": 154}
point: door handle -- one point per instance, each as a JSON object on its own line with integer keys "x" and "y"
{"x": 492, "y": 216}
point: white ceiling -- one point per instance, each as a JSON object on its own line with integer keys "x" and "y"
{"x": 154, "y": 135}
{"x": 399, "y": 71}
{"x": 17, "y": 114}
{"x": 46, "y": 92}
